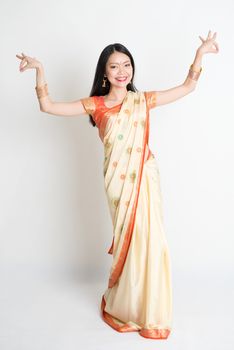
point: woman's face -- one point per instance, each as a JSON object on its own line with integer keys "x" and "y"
{"x": 119, "y": 69}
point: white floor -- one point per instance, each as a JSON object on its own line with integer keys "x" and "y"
{"x": 51, "y": 310}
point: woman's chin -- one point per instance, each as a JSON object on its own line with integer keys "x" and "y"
{"x": 120, "y": 84}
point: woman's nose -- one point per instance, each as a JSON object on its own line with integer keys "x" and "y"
{"x": 121, "y": 69}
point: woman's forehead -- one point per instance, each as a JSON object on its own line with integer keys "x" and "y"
{"x": 118, "y": 57}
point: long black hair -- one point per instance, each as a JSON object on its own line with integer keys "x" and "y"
{"x": 97, "y": 88}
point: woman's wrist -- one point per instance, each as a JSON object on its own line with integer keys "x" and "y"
{"x": 39, "y": 67}
{"x": 196, "y": 65}
{"x": 40, "y": 76}
{"x": 199, "y": 53}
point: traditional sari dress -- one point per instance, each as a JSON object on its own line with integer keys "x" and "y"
{"x": 139, "y": 295}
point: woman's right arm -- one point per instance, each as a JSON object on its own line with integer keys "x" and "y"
{"x": 73, "y": 108}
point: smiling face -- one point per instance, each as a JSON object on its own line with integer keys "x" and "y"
{"x": 119, "y": 69}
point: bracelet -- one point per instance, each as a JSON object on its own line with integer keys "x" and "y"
{"x": 194, "y": 75}
{"x": 42, "y": 91}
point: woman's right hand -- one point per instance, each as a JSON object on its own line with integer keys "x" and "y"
{"x": 31, "y": 62}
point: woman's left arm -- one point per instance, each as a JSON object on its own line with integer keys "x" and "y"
{"x": 167, "y": 96}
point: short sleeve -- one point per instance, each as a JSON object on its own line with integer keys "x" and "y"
{"x": 151, "y": 99}
{"x": 89, "y": 104}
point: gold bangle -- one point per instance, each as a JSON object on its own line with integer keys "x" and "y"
{"x": 194, "y": 75}
{"x": 191, "y": 67}
{"x": 42, "y": 91}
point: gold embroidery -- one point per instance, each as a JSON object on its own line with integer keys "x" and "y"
{"x": 115, "y": 202}
{"x": 89, "y": 104}
{"x": 107, "y": 144}
{"x": 151, "y": 98}
{"x": 129, "y": 150}
{"x": 126, "y": 111}
{"x": 133, "y": 175}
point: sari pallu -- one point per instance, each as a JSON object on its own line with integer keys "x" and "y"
{"x": 138, "y": 297}
{"x": 125, "y": 146}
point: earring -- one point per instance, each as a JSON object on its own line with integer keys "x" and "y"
{"x": 104, "y": 82}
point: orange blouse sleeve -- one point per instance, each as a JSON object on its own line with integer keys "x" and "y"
{"x": 89, "y": 104}
{"x": 151, "y": 99}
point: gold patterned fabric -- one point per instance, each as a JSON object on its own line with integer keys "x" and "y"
{"x": 138, "y": 296}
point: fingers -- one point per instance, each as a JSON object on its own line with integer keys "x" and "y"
{"x": 22, "y": 63}
{"x": 209, "y": 34}
{"x": 214, "y": 36}
{"x": 217, "y": 47}
{"x": 216, "y": 50}
{"x": 22, "y": 67}
{"x": 19, "y": 56}
{"x": 30, "y": 62}
{"x": 209, "y": 37}
{"x": 23, "y": 58}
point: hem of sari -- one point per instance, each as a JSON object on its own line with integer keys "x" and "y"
{"x": 150, "y": 333}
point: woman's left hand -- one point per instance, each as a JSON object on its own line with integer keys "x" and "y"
{"x": 209, "y": 45}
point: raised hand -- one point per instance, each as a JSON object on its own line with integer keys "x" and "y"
{"x": 209, "y": 45}
{"x": 31, "y": 62}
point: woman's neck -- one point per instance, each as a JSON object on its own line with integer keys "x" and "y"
{"x": 116, "y": 95}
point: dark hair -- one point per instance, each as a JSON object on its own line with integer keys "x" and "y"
{"x": 97, "y": 88}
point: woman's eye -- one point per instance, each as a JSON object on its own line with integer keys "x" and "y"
{"x": 128, "y": 64}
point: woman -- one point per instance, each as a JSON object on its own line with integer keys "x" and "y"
{"x": 139, "y": 296}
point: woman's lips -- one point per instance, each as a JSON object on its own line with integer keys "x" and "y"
{"x": 121, "y": 79}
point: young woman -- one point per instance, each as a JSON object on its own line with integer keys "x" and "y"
{"x": 139, "y": 295}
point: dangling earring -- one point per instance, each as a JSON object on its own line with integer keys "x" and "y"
{"x": 104, "y": 82}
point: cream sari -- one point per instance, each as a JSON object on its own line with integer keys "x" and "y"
{"x": 139, "y": 296}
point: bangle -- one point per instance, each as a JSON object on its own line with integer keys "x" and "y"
{"x": 42, "y": 91}
{"x": 194, "y": 75}
{"x": 191, "y": 67}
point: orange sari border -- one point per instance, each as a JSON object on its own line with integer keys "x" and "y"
{"x": 146, "y": 333}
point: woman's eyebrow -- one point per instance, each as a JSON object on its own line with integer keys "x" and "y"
{"x": 118, "y": 63}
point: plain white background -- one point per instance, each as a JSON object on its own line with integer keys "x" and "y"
{"x": 55, "y": 223}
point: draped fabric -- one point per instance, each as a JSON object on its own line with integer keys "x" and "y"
{"x": 139, "y": 295}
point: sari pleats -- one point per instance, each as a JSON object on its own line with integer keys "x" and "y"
{"x": 141, "y": 300}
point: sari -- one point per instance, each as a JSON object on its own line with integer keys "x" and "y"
{"x": 139, "y": 295}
